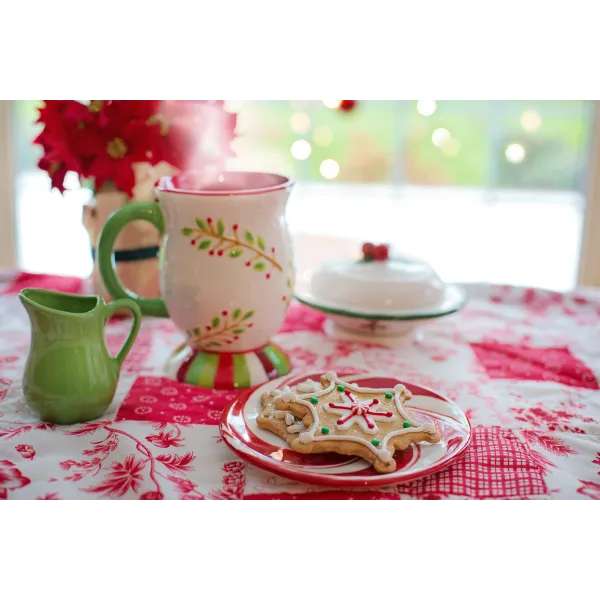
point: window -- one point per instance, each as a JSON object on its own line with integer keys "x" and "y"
{"x": 484, "y": 190}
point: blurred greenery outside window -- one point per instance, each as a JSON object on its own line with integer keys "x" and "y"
{"x": 484, "y": 144}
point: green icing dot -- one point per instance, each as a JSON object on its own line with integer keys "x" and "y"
{"x": 314, "y": 400}
{"x": 325, "y": 430}
{"x": 406, "y": 424}
{"x": 388, "y": 395}
{"x": 340, "y": 388}
{"x": 375, "y": 442}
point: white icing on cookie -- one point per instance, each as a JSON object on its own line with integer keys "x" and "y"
{"x": 296, "y": 428}
{"x": 357, "y": 410}
{"x": 308, "y": 387}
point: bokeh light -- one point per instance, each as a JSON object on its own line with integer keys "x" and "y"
{"x": 531, "y": 121}
{"x": 426, "y": 107}
{"x": 301, "y": 149}
{"x": 440, "y": 136}
{"x": 329, "y": 169}
{"x": 515, "y": 153}
{"x": 323, "y": 135}
{"x": 332, "y": 103}
{"x": 299, "y": 104}
{"x": 451, "y": 147}
{"x": 300, "y": 122}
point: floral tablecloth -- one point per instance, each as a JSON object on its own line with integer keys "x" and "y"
{"x": 523, "y": 363}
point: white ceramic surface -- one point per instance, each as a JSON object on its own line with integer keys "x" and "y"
{"x": 227, "y": 254}
{"x": 398, "y": 284}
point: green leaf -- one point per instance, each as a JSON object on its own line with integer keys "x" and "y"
{"x": 236, "y": 314}
{"x": 204, "y": 245}
{"x": 235, "y": 252}
{"x": 249, "y": 237}
{"x": 261, "y": 243}
{"x": 248, "y": 315}
{"x": 187, "y": 231}
{"x": 259, "y": 266}
{"x": 197, "y": 331}
{"x": 215, "y": 322}
{"x": 220, "y": 227}
{"x": 239, "y": 330}
{"x": 202, "y": 224}
{"x": 214, "y": 344}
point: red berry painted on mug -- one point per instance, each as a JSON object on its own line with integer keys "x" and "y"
{"x": 211, "y": 252}
{"x": 250, "y": 325}
{"x": 248, "y": 264}
{"x": 236, "y": 337}
{"x": 208, "y": 328}
{"x": 268, "y": 275}
{"x": 209, "y": 220}
{"x": 193, "y": 242}
{"x": 272, "y": 249}
{"x": 220, "y": 252}
{"x": 235, "y": 227}
{"x": 224, "y": 313}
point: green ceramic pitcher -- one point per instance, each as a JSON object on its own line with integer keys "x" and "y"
{"x": 69, "y": 376}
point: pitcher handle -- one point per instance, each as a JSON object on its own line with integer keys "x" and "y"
{"x": 145, "y": 211}
{"x": 130, "y": 305}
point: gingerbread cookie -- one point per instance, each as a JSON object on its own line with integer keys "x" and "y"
{"x": 280, "y": 422}
{"x": 348, "y": 419}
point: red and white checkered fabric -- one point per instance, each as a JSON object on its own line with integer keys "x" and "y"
{"x": 524, "y": 365}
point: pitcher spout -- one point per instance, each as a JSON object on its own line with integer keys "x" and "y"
{"x": 39, "y": 301}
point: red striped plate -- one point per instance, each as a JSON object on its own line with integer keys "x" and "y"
{"x": 265, "y": 450}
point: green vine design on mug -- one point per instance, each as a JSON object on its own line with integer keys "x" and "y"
{"x": 212, "y": 237}
{"x": 223, "y": 329}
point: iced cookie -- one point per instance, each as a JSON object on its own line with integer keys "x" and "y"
{"x": 280, "y": 422}
{"x": 348, "y": 419}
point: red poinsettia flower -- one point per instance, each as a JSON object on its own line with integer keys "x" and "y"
{"x": 25, "y": 450}
{"x": 124, "y": 140}
{"x": 10, "y": 478}
{"x": 103, "y": 139}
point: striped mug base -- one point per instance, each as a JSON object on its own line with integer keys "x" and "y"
{"x": 225, "y": 370}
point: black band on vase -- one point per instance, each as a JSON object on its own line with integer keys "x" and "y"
{"x": 132, "y": 255}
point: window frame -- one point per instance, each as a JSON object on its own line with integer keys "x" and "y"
{"x": 8, "y": 223}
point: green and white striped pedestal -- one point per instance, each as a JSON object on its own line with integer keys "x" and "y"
{"x": 227, "y": 371}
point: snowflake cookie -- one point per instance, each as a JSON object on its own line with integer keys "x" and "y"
{"x": 280, "y": 422}
{"x": 342, "y": 417}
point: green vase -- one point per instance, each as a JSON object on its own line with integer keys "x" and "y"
{"x": 69, "y": 376}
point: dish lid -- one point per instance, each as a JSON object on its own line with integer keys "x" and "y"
{"x": 378, "y": 282}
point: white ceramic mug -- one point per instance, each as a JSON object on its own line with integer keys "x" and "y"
{"x": 225, "y": 265}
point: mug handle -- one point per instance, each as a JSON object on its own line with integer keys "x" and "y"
{"x": 131, "y": 305}
{"x": 144, "y": 211}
